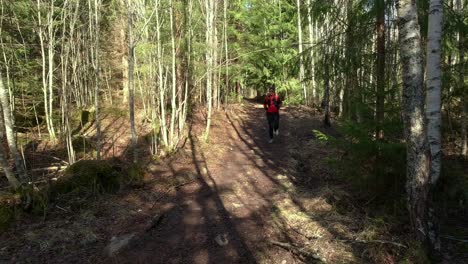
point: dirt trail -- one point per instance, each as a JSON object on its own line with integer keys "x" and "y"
{"x": 242, "y": 195}
{"x": 225, "y": 201}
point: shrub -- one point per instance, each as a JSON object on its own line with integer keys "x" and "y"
{"x": 376, "y": 167}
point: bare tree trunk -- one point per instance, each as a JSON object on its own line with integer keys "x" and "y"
{"x": 433, "y": 84}
{"x": 3, "y": 160}
{"x": 174, "y": 79}
{"x": 8, "y": 123}
{"x": 461, "y": 83}
{"x": 188, "y": 63}
{"x": 47, "y": 79}
{"x": 418, "y": 184}
{"x": 326, "y": 95}
{"x": 131, "y": 64}
{"x": 50, "y": 55}
{"x": 226, "y": 49}
{"x": 97, "y": 13}
{"x": 301, "y": 56}
{"x": 161, "y": 89}
{"x": 209, "y": 61}
{"x": 380, "y": 102}
{"x": 311, "y": 47}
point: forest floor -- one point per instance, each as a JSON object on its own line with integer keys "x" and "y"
{"x": 234, "y": 199}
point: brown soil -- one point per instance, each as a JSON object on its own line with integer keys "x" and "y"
{"x": 225, "y": 201}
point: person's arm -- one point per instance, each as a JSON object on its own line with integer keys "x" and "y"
{"x": 280, "y": 103}
{"x": 265, "y": 103}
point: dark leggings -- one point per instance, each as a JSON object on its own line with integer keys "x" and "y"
{"x": 273, "y": 122}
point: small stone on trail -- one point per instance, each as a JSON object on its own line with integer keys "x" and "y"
{"x": 237, "y": 205}
{"x": 222, "y": 240}
{"x": 284, "y": 261}
{"x": 117, "y": 243}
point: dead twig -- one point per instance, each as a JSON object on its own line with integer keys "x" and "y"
{"x": 61, "y": 208}
{"x": 375, "y": 241}
{"x": 455, "y": 239}
{"x": 52, "y": 168}
{"x": 299, "y": 251}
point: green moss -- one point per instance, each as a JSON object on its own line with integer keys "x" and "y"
{"x": 415, "y": 254}
{"x": 6, "y": 216}
{"x": 8, "y": 204}
{"x": 89, "y": 176}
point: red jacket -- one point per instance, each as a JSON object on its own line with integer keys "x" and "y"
{"x": 272, "y": 103}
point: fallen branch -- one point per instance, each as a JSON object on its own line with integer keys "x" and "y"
{"x": 455, "y": 239}
{"x": 52, "y": 168}
{"x": 50, "y": 156}
{"x": 375, "y": 241}
{"x": 299, "y": 251}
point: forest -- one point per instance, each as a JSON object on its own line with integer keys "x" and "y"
{"x": 133, "y": 131}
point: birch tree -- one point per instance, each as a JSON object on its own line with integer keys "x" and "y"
{"x": 12, "y": 180}
{"x": 380, "y": 76}
{"x": 96, "y": 66}
{"x": 461, "y": 82}
{"x": 8, "y": 124}
{"x": 174, "y": 77}
{"x": 131, "y": 65}
{"x": 47, "y": 38}
{"x": 311, "y": 47}
{"x": 301, "y": 57}
{"x": 209, "y": 7}
{"x": 417, "y": 160}
{"x": 161, "y": 87}
{"x": 433, "y": 84}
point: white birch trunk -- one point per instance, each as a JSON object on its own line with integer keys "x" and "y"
{"x": 226, "y": 49}
{"x": 8, "y": 123}
{"x": 433, "y": 84}
{"x": 417, "y": 160}
{"x": 131, "y": 64}
{"x": 161, "y": 89}
{"x": 311, "y": 47}
{"x": 461, "y": 83}
{"x": 174, "y": 79}
{"x": 301, "y": 56}
{"x": 3, "y": 158}
{"x": 45, "y": 77}
{"x": 209, "y": 62}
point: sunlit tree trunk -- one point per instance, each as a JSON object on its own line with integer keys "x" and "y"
{"x": 418, "y": 163}
{"x": 131, "y": 64}
{"x": 209, "y": 63}
{"x": 433, "y": 84}
{"x": 174, "y": 79}
{"x": 47, "y": 77}
{"x": 162, "y": 99}
{"x": 95, "y": 61}
{"x": 226, "y": 49}
{"x": 3, "y": 158}
{"x": 8, "y": 123}
{"x": 188, "y": 62}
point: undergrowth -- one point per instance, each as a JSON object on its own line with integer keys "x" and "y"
{"x": 376, "y": 170}
{"x": 81, "y": 181}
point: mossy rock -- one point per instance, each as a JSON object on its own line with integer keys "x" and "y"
{"x": 90, "y": 176}
{"x": 8, "y": 204}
